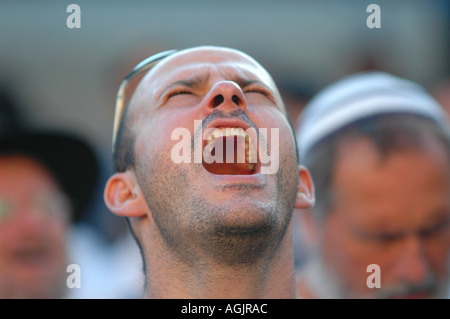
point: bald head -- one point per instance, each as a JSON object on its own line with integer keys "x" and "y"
{"x": 195, "y": 67}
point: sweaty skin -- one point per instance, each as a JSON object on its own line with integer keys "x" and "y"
{"x": 203, "y": 234}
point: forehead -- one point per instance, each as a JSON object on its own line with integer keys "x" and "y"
{"x": 21, "y": 172}
{"x": 404, "y": 184}
{"x": 360, "y": 163}
{"x": 204, "y": 62}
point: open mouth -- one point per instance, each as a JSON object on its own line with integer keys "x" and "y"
{"x": 31, "y": 256}
{"x": 230, "y": 151}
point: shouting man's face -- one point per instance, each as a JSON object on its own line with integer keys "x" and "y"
{"x": 231, "y": 198}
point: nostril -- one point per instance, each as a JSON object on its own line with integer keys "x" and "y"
{"x": 236, "y": 99}
{"x": 218, "y": 100}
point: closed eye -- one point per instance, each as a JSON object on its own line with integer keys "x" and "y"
{"x": 435, "y": 229}
{"x": 261, "y": 91}
{"x": 178, "y": 92}
{"x": 256, "y": 90}
{"x": 378, "y": 236}
{"x": 387, "y": 237}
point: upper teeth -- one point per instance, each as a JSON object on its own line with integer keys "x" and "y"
{"x": 250, "y": 147}
{"x": 225, "y": 132}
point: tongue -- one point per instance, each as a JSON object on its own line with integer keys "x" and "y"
{"x": 232, "y": 166}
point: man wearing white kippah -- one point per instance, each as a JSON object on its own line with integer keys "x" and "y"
{"x": 378, "y": 150}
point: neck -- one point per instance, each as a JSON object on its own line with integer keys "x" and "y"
{"x": 272, "y": 277}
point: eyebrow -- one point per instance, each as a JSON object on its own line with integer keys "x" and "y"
{"x": 197, "y": 81}
{"x": 200, "y": 80}
{"x": 242, "y": 81}
{"x": 192, "y": 82}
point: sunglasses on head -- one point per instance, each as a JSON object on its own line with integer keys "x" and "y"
{"x": 142, "y": 67}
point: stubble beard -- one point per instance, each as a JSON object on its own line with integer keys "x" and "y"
{"x": 198, "y": 231}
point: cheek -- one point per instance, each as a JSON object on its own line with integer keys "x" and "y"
{"x": 5, "y": 239}
{"x": 155, "y": 136}
{"x": 277, "y": 128}
{"x": 438, "y": 253}
{"x": 10, "y": 233}
{"x": 54, "y": 232}
{"x": 57, "y": 229}
{"x": 57, "y": 236}
{"x": 348, "y": 257}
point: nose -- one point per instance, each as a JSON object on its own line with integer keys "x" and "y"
{"x": 27, "y": 222}
{"x": 226, "y": 96}
{"x": 32, "y": 220}
{"x": 412, "y": 263}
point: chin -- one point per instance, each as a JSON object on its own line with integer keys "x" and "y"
{"x": 247, "y": 212}
{"x": 245, "y": 235}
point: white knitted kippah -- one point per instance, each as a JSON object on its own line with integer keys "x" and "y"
{"x": 359, "y": 96}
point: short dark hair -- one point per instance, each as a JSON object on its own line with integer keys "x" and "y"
{"x": 388, "y": 133}
{"x": 123, "y": 159}
{"x": 123, "y": 154}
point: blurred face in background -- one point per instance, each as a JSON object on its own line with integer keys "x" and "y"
{"x": 33, "y": 221}
{"x": 394, "y": 212}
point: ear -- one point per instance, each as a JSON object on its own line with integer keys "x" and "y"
{"x": 124, "y": 197}
{"x": 305, "y": 193}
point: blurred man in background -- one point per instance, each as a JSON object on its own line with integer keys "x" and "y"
{"x": 378, "y": 149}
{"x": 47, "y": 180}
